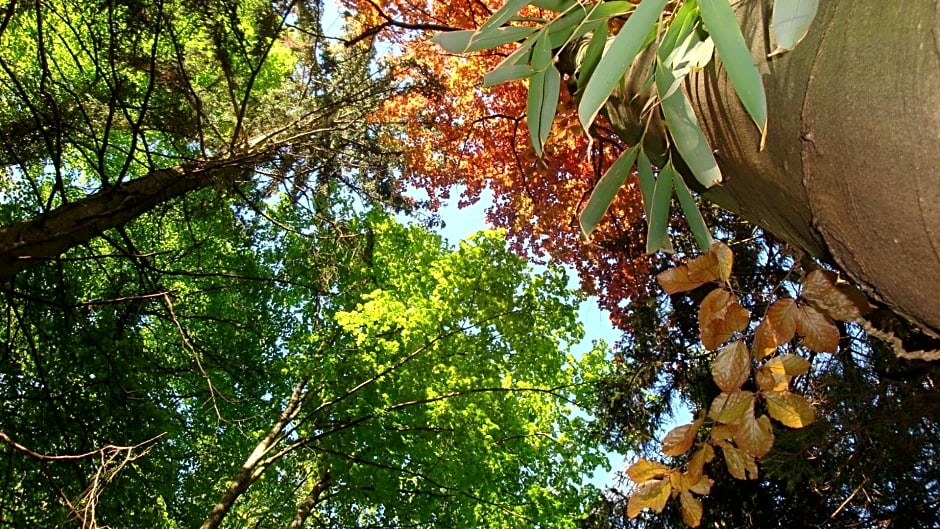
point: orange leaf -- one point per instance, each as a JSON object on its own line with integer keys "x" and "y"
{"x": 645, "y": 470}
{"x": 764, "y": 341}
{"x": 767, "y": 380}
{"x": 788, "y": 364}
{"x": 697, "y": 464}
{"x": 725, "y": 259}
{"x": 705, "y": 268}
{"x": 730, "y": 408}
{"x": 677, "y": 280}
{"x": 680, "y": 438}
{"x": 754, "y": 436}
{"x": 840, "y": 301}
{"x": 703, "y": 486}
{"x": 790, "y": 409}
{"x": 691, "y": 509}
{"x": 652, "y": 494}
{"x": 782, "y": 317}
{"x": 720, "y": 316}
{"x": 740, "y": 464}
{"x": 721, "y": 432}
{"x": 818, "y": 331}
{"x": 732, "y": 366}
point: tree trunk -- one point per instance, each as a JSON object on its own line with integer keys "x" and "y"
{"x": 850, "y": 169}
{"x": 310, "y": 501}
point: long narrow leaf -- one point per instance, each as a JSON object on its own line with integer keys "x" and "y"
{"x": 617, "y": 59}
{"x": 722, "y": 25}
{"x": 544, "y": 88}
{"x": 507, "y": 73}
{"x": 592, "y": 54}
{"x": 685, "y": 130}
{"x": 644, "y": 172}
{"x": 468, "y": 41}
{"x": 791, "y": 21}
{"x": 658, "y": 221}
{"x": 693, "y": 216}
{"x": 503, "y": 14}
{"x": 605, "y": 191}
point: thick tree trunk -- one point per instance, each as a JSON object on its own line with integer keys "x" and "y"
{"x": 851, "y": 169}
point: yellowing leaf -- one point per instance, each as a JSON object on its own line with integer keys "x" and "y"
{"x": 740, "y": 464}
{"x": 691, "y": 509}
{"x": 720, "y": 316}
{"x": 680, "y": 438}
{"x": 790, "y": 409}
{"x": 839, "y": 301}
{"x": 754, "y": 436}
{"x": 764, "y": 341}
{"x": 782, "y": 317}
{"x": 818, "y": 331}
{"x": 677, "y": 280}
{"x": 697, "y": 463}
{"x": 725, "y": 259}
{"x": 702, "y": 486}
{"x": 767, "y": 380}
{"x": 721, "y": 432}
{"x": 788, "y": 364}
{"x": 652, "y": 494}
{"x": 645, "y": 470}
{"x": 705, "y": 267}
{"x": 729, "y": 408}
{"x": 732, "y": 366}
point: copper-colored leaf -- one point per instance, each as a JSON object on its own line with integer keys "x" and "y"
{"x": 740, "y": 464}
{"x": 767, "y": 380}
{"x": 697, "y": 464}
{"x": 840, "y": 301}
{"x": 790, "y": 409}
{"x": 680, "y": 439}
{"x": 782, "y": 317}
{"x": 732, "y": 366}
{"x": 764, "y": 341}
{"x": 652, "y": 494}
{"x": 705, "y": 268}
{"x": 703, "y": 486}
{"x": 788, "y": 364}
{"x": 721, "y": 432}
{"x": 731, "y": 407}
{"x": 645, "y": 470}
{"x": 754, "y": 436}
{"x": 691, "y": 509}
{"x": 725, "y": 258}
{"x": 818, "y": 331}
{"x": 677, "y": 280}
{"x": 720, "y": 316}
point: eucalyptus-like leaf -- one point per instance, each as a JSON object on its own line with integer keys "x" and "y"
{"x": 544, "y": 89}
{"x": 605, "y": 191}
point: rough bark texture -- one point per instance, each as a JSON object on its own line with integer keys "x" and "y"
{"x": 851, "y": 170}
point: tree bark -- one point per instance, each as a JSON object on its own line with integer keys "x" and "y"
{"x": 32, "y": 242}
{"x": 850, "y": 170}
{"x": 310, "y": 501}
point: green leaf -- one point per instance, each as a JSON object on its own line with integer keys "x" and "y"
{"x": 680, "y": 27}
{"x": 722, "y": 25}
{"x": 592, "y": 55}
{"x": 656, "y": 237}
{"x": 644, "y": 171}
{"x": 512, "y": 72}
{"x": 693, "y": 216}
{"x": 542, "y": 53}
{"x": 503, "y": 15}
{"x": 791, "y": 21}
{"x": 605, "y": 191}
{"x": 544, "y": 88}
{"x": 617, "y": 59}
{"x": 557, "y": 6}
{"x": 468, "y": 41}
{"x": 685, "y": 130}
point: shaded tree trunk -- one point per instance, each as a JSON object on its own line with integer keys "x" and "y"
{"x": 850, "y": 170}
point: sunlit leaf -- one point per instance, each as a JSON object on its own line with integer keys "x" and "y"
{"x": 606, "y": 190}
{"x": 839, "y": 301}
{"x": 722, "y": 25}
{"x": 732, "y": 366}
{"x": 691, "y": 509}
{"x": 677, "y": 279}
{"x": 781, "y": 319}
{"x": 788, "y": 364}
{"x": 729, "y": 408}
{"x": 645, "y": 470}
{"x": 819, "y": 332}
{"x": 791, "y": 21}
{"x": 767, "y": 380}
{"x": 705, "y": 267}
{"x": 790, "y": 409}
{"x": 615, "y": 61}
{"x": 740, "y": 464}
{"x": 697, "y": 463}
{"x": 720, "y": 317}
{"x": 754, "y": 435}
{"x": 651, "y": 495}
{"x": 704, "y": 485}
{"x": 680, "y": 439}
{"x": 502, "y": 15}
{"x": 725, "y": 258}
{"x": 764, "y": 341}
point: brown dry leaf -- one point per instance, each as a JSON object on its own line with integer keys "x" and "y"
{"x": 720, "y": 316}
{"x": 652, "y": 494}
{"x": 839, "y": 300}
{"x": 677, "y": 280}
{"x": 703, "y": 486}
{"x": 732, "y": 366}
{"x": 721, "y": 432}
{"x": 725, "y": 258}
{"x": 788, "y": 364}
{"x": 729, "y": 408}
{"x": 645, "y": 470}
{"x": 691, "y": 509}
{"x": 790, "y": 409}
{"x": 740, "y": 464}
{"x": 819, "y": 333}
{"x": 782, "y": 317}
{"x": 764, "y": 341}
{"x": 767, "y": 380}
{"x": 705, "y": 268}
{"x": 697, "y": 464}
{"x": 680, "y": 439}
{"x": 754, "y": 436}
